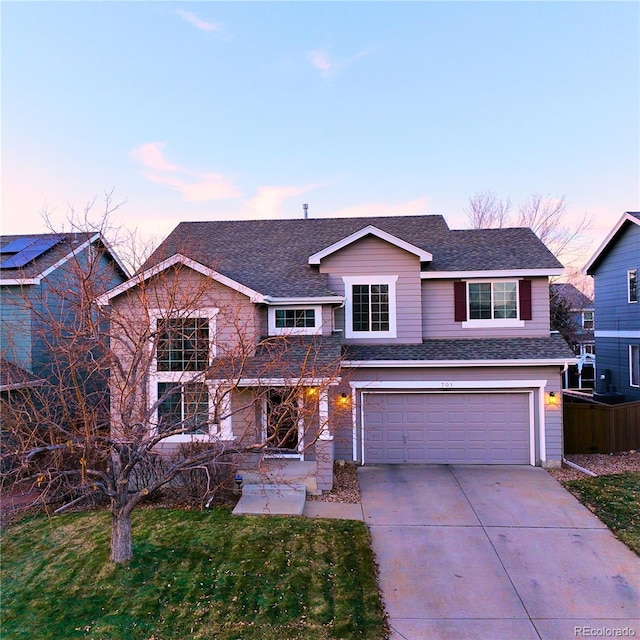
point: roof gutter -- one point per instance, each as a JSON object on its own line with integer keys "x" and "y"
{"x": 458, "y": 363}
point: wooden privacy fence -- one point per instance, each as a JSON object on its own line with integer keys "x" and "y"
{"x": 593, "y": 427}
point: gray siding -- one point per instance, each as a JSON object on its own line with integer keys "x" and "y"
{"x": 31, "y": 335}
{"x": 15, "y": 328}
{"x": 613, "y": 359}
{"x": 438, "y": 313}
{"x": 613, "y": 312}
{"x": 372, "y": 256}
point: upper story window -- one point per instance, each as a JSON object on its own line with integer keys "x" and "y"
{"x": 493, "y": 300}
{"x": 492, "y": 303}
{"x": 183, "y": 344}
{"x": 370, "y": 309}
{"x": 632, "y": 285}
{"x": 587, "y": 320}
{"x": 295, "y": 320}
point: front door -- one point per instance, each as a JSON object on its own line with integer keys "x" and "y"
{"x": 282, "y": 421}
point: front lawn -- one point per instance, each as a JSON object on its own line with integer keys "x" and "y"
{"x": 615, "y": 499}
{"x": 194, "y": 575}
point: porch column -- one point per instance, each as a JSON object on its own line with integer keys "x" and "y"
{"x": 324, "y": 445}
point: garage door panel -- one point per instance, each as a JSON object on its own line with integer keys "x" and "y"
{"x": 439, "y": 428}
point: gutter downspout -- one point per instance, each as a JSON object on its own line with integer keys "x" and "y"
{"x": 577, "y": 467}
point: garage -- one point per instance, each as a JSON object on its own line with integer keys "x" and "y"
{"x": 446, "y": 428}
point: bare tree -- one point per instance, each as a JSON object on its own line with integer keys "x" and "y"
{"x": 547, "y": 216}
{"x": 163, "y": 379}
{"x": 486, "y": 211}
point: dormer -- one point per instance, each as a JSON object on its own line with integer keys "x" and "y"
{"x": 379, "y": 275}
{"x": 370, "y": 230}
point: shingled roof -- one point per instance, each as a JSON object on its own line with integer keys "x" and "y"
{"x": 271, "y": 256}
{"x": 66, "y": 244}
{"x": 551, "y": 348}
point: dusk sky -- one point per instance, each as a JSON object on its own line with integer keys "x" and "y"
{"x": 219, "y": 110}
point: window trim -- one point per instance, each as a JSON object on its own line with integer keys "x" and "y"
{"x": 634, "y": 348}
{"x": 629, "y": 272}
{"x": 295, "y": 331}
{"x": 593, "y": 317}
{"x": 216, "y": 431}
{"x": 388, "y": 280}
{"x": 499, "y": 323}
{"x": 210, "y": 313}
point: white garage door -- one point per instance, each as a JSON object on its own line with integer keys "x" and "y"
{"x": 451, "y": 428}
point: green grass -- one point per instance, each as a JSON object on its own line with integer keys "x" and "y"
{"x": 194, "y": 575}
{"x": 615, "y": 499}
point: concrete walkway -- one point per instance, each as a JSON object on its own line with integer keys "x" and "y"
{"x": 493, "y": 553}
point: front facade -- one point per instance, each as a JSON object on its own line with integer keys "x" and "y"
{"x": 372, "y": 340}
{"x": 615, "y": 267}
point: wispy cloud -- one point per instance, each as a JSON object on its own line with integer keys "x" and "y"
{"x": 269, "y": 200}
{"x": 323, "y": 62}
{"x": 194, "y": 186}
{"x": 198, "y": 23}
{"x": 320, "y": 60}
{"x": 410, "y": 207}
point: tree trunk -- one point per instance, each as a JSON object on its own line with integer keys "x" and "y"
{"x": 121, "y": 541}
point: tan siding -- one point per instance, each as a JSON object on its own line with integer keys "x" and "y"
{"x": 438, "y": 319}
{"x": 372, "y": 256}
{"x": 180, "y": 289}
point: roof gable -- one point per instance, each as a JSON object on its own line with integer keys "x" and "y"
{"x": 174, "y": 260}
{"x": 568, "y": 292}
{"x": 33, "y": 257}
{"x": 629, "y": 218}
{"x": 423, "y": 255}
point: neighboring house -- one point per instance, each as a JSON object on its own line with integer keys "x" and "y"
{"x": 614, "y": 267}
{"x": 576, "y": 313}
{"x": 442, "y": 337}
{"x": 40, "y": 281}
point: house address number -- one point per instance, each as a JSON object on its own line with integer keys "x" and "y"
{"x": 446, "y": 385}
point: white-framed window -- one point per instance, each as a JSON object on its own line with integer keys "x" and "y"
{"x": 589, "y": 348}
{"x": 184, "y": 346}
{"x": 184, "y": 405}
{"x": 370, "y": 307}
{"x": 493, "y": 303}
{"x": 632, "y": 285}
{"x": 587, "y": 320}
{"x": 634, "y": 365}
{"x": 295, "y": 320}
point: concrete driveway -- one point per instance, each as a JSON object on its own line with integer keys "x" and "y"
{"x": 495, "y": 552}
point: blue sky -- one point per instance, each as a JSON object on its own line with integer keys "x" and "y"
{"x": 217, "y": 110}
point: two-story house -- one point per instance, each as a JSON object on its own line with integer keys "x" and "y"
{"x": 42, "y": 279}
{"x": 614, "y": 267}
{"x": 412, "y": 342}
{"x": 576, "y": 323}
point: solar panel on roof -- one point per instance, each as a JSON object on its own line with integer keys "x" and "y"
{"x": 17, "y": 245}
{"x": 24, "y": 250}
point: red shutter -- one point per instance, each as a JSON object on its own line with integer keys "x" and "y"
{"x": 525, "y": 299}
{"x": 460, "y": 301}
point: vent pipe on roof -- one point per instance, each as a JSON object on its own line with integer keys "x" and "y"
{"x": 306, "y": 210}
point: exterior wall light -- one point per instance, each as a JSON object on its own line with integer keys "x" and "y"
{"x": 552, "y": 398}
{"x": 343, "y": 401}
